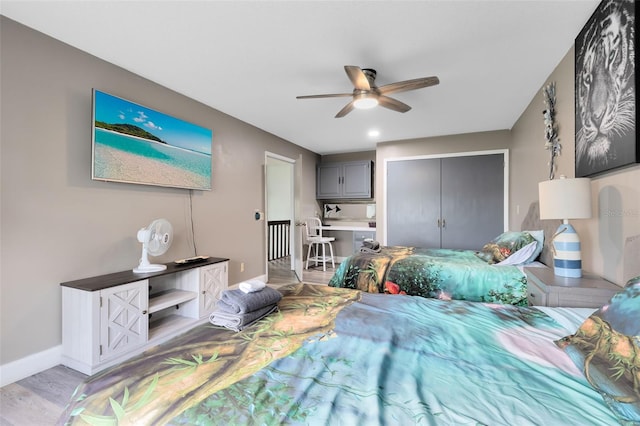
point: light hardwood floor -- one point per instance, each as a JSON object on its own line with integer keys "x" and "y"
{"x": 280, "y": 273}
{"x": 39, "y": 400}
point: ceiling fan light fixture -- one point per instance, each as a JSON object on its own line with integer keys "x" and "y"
{"x": 367, "y": 95}
{"x": 365, "y": 102}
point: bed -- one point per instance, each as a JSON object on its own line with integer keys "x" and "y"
{"x": 434, "y": 273}
{"x": 493, "y": 274}
{"x": 342, "y": 356}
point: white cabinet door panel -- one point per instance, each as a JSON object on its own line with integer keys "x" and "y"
{"x": 213, "y": 281}
{"x": 123, "y": 318}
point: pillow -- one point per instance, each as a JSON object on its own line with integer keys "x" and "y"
{"x": 539, "y": 236}
{"x": 522, "y": 256}
{"x": 606, "y": 348}
{"x": 504, "y": 246}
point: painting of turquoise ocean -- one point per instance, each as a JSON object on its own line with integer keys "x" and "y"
{"x": 136, "y": 144}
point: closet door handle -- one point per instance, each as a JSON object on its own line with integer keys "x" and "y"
{"x": 444, "y": 224}
{"x": 438, "y": 222}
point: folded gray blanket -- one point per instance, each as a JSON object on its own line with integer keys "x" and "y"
{"x": 369, "y": 250}
{"x": 237, "y": 322}
{"x": 238, "y": 302}
{"x": 371, "y": 245}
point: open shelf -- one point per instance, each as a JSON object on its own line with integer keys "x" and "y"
{"x": 94, "y": 308}
{"x": 169, "y": 325}
{"x": 168, "y": 298}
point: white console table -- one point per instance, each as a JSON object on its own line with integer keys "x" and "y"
{"x": 110, "y": 318}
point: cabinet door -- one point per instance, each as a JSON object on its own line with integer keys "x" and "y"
{"x": 356, "y": 180}
{"x": 213, "y": 280}
{"x": 472, "y": 200}
{"x": 344, "y": 180}
{"x": 124, "y": 322}
{"x": 329, "y": 181}
{"x": 413, "y": 203}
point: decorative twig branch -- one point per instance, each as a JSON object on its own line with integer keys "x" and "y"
{"x": 550, "y": 127}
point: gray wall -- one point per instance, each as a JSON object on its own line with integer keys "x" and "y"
{"x": 59, "y": 225}
{"x": 615, "y": 195}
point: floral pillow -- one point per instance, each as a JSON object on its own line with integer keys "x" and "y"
{"x": 539, "y": 236}
{"x": 606, "y": 348}
{"x": 521, "y": 257}
{"x": 504, "y": 246}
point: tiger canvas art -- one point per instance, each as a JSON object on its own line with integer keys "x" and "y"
{"x": 606, "y": 89}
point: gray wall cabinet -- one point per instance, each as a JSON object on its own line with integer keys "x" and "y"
{"x": 344, "y": 180}
{"x": 451, "y": 202}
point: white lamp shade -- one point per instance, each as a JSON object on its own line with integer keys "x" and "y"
{"x": 565, "y": 198}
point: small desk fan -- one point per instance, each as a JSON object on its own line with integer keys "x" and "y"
{"x": 156, "y": 240}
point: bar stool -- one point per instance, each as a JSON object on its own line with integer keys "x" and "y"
{"x": 313, "y": 226}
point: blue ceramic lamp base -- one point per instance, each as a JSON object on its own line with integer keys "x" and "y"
{"x": 567, "y": 258}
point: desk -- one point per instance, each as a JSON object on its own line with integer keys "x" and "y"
{"x": 347, "y": 228}
{"x": 359, "y": 233}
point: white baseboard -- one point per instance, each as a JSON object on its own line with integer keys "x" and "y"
{"x": 30, "y": 365}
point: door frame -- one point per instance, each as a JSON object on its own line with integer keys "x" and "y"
{"x": 504, "y": 152}
{"x": 292, "y": 214}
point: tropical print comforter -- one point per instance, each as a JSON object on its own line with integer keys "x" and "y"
{"x": 343, "y": 357}
{"x": 435, "y": 273}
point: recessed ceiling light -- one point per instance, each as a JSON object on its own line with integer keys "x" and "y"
{"x": 374, "y": 133}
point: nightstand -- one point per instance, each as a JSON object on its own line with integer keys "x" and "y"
{"x": 544, "y": 288}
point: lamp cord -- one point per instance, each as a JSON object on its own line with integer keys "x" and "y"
{"x": 553, "y": 247}
{"x": 193, "y": 234}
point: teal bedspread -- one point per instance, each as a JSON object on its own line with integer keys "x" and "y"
{"x": 343, "y": 357}
{"x": 435, "y": 273}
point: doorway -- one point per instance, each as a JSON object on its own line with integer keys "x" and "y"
{"x": 280, "y": 217}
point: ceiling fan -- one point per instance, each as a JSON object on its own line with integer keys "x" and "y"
{"x": 367, "y": 95}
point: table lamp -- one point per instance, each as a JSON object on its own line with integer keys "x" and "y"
{"x": 566, "y": 199}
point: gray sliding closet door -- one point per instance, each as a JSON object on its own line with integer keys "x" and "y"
{"x": 452, "y": 202}
{"x": 472, "y": 200}
{"x": 413, "y": 203}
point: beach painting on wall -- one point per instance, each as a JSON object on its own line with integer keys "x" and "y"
{"x": 136, "y": 144}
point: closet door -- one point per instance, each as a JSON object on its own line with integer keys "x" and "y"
{"x": 472, "y": 200}
{"x": 413, "y": 203}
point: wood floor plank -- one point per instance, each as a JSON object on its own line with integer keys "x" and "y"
{"x": 280, "y": 273}
{"x": 19, "y": 406}
{"x": 56, "y": 384}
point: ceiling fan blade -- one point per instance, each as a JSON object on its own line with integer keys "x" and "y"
{"x": 403, "y": 86}
{"x": 393, "y": 104}
{"x": 357, "y": 77}
{"x": 346, "y": 110}
{"x": 332, "y": 95}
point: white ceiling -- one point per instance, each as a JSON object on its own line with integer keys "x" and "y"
{"x": 250, "y": 59}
